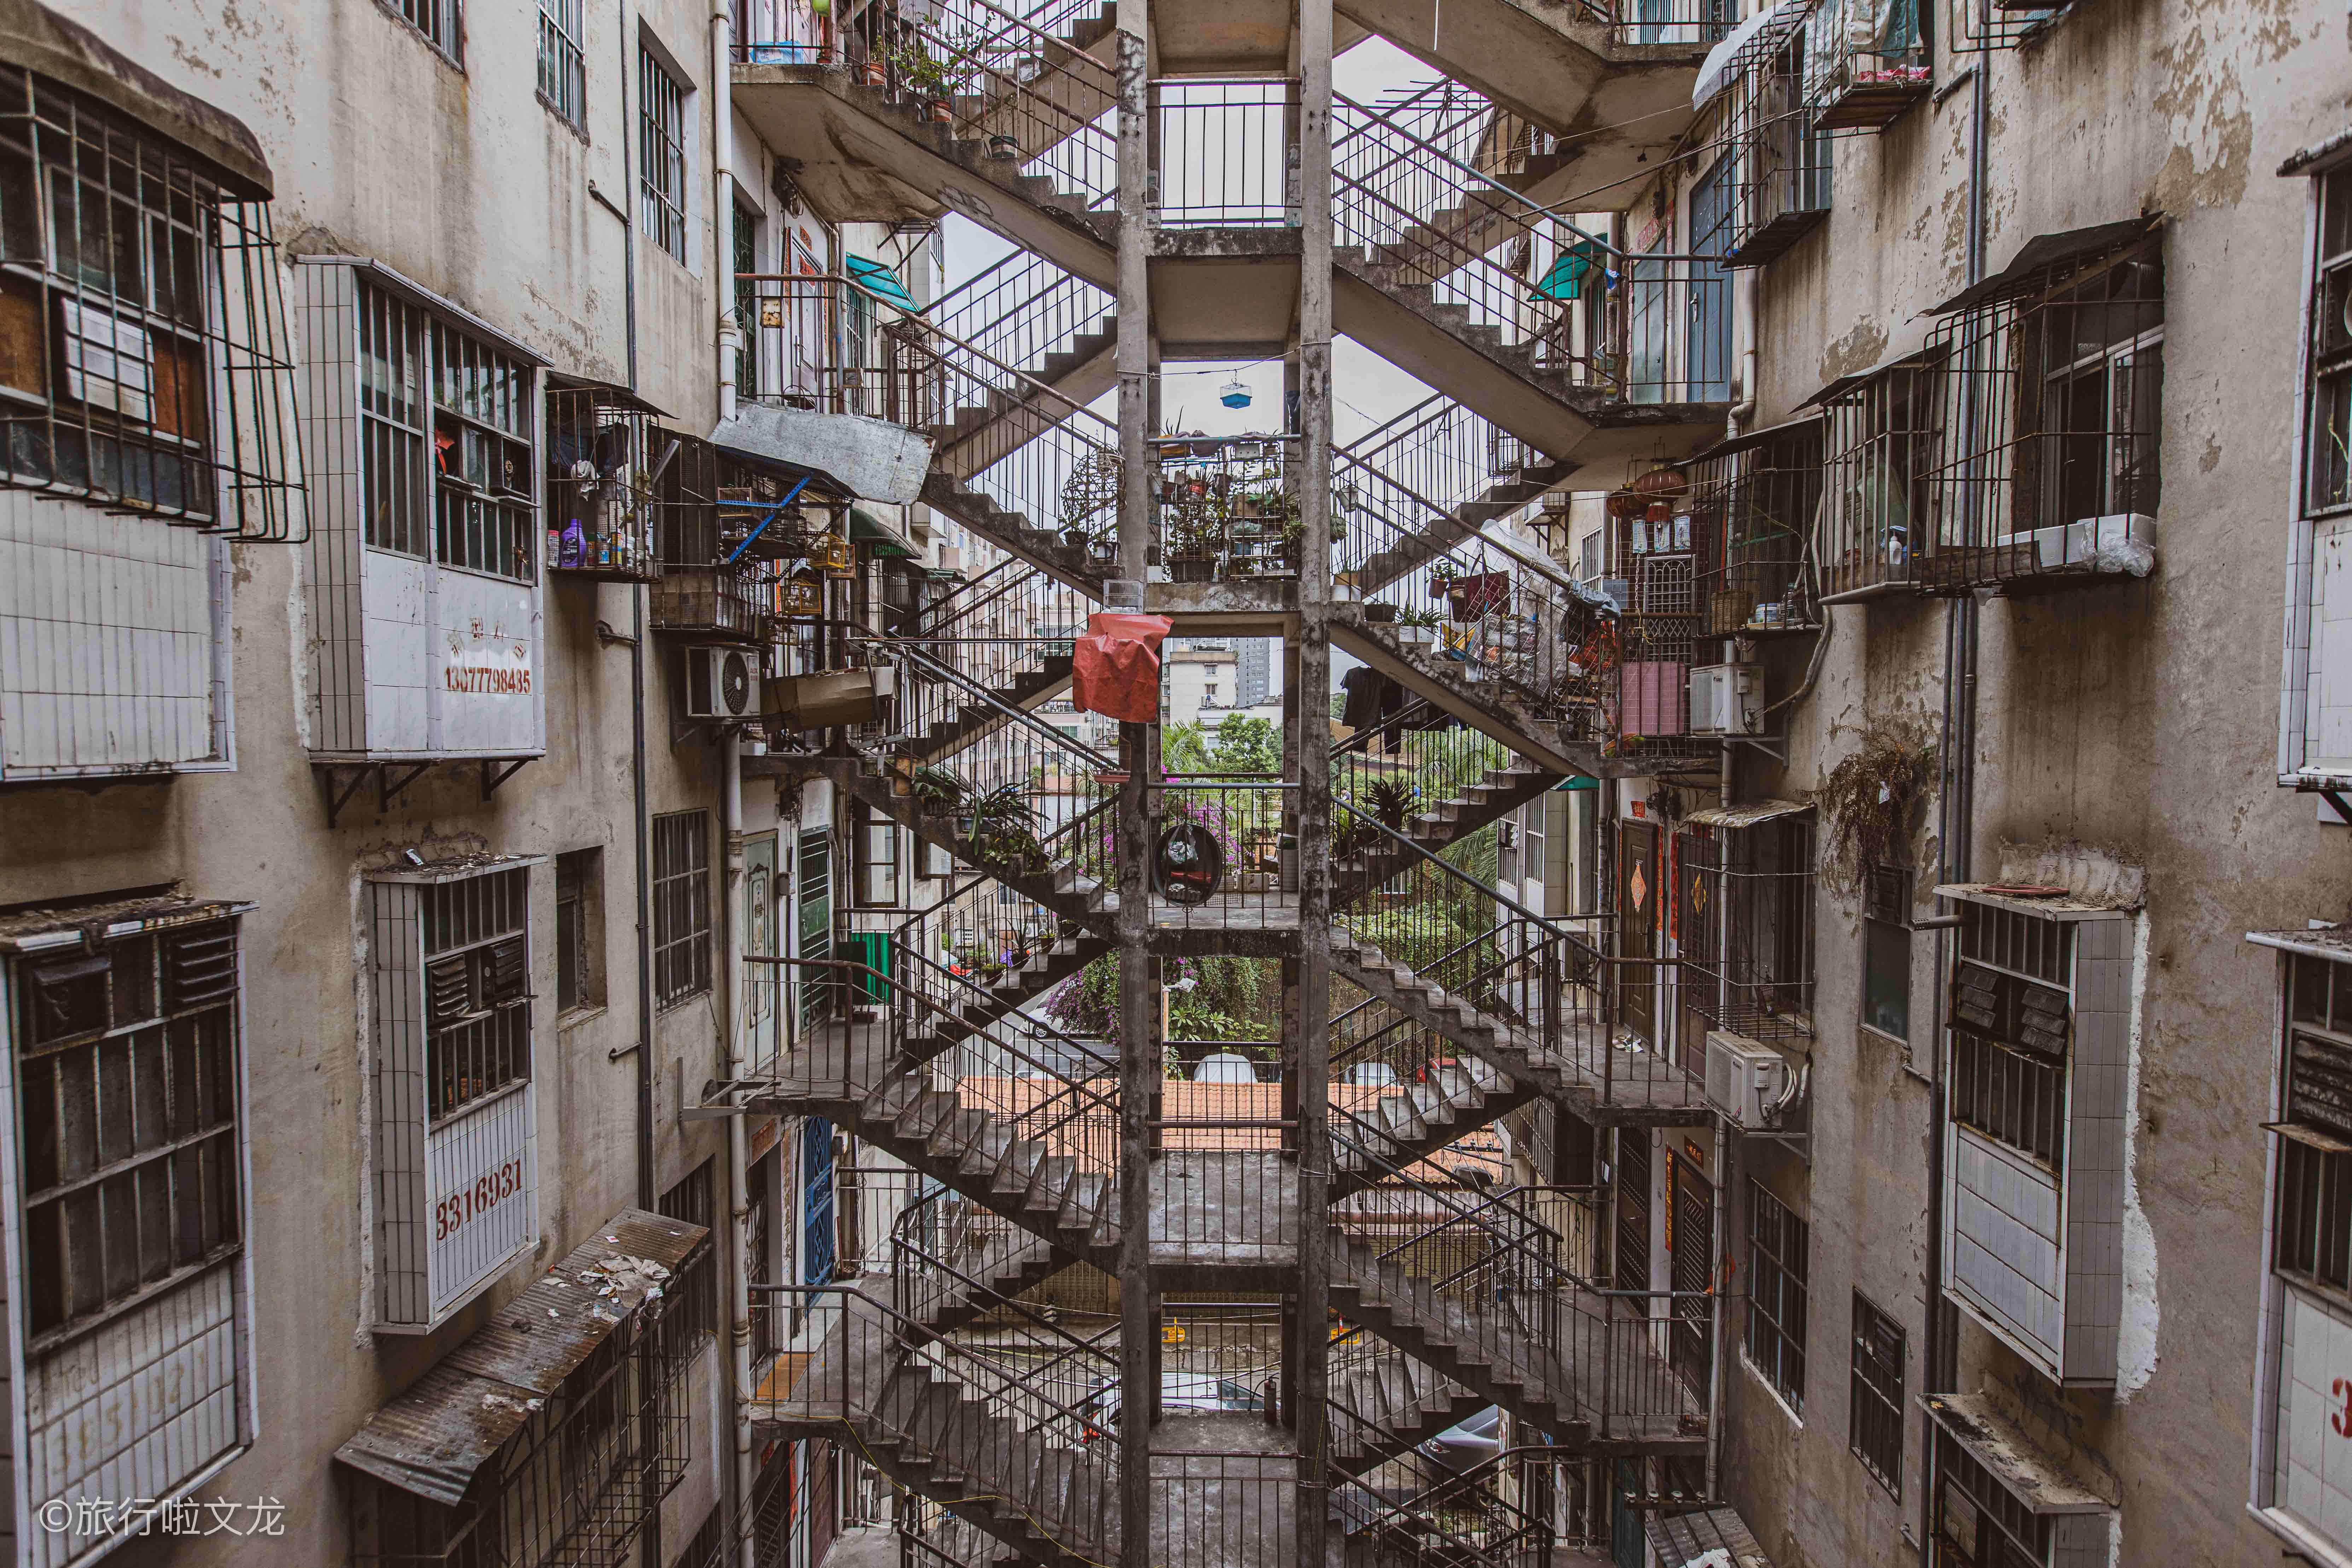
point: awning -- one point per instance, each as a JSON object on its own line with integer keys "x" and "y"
{"x": 1832, "y": 391}
{"x": 1755, "y": 439}
{"x": 2064, "y": 906}
{"x": 2044, "y": 253}
{"x": 1569, "y": 268}
{"x": 851, "y": 454}
{"x": 2038, "y": 1484}
{"x": 621, "y": 397}
{"x": 2331, "y": 942}
{"x": 42, "y": 41}
{"x": 2312, "y": 157}
{"x": 866, "y": 529}
{"x": 1766, "y": 30}
{"x": 69, "y": 923}
{"x": 1712, "y": 1538}
{"x": 1747, "y": 816}
{"x": 1581, "y": 782}
{"x": 882, "y": 283}
{"x": 430, "y": 1441}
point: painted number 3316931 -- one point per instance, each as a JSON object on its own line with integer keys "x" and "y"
{"x": 472, "y": 1203}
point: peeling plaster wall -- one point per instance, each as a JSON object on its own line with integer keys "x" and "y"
{"x": 2137, "y": 719}
{"x": 464, "y": 182}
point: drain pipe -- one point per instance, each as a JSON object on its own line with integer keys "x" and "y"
{"x": 738, "y": 1211}
{"x": 1955, "y": 819}
{"x": 722, "y": 201}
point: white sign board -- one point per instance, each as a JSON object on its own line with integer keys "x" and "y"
{"x": 482, "y": 1194}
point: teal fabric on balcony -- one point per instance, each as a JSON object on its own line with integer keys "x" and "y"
{"x": 882, "y": 283}
{"x": 1569, "y": 268}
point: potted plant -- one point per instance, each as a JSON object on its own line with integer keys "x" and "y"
{"x": 1004, "y": 830}
{"x": 1417, "y": 629}
{"x": 937, "y": 790}
{"x": 926, "y": 77}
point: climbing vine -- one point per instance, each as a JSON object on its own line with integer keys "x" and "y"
{"x": 1865, "y": 803}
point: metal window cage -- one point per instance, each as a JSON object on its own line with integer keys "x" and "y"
{"x": 600, "y": 502}
{"x": 146, "y": 363}
{"x": 1760, "y": 498}
{"x": 1781, "y": 187}
{"x": 1865, "y": 62}
{"x": 1974, "y": 27}
{"x": 1882, "y": 439}
{"x": 1745, "y": 922}
{"x": 1660, "y": 630}
{"x": 712, "y": 578}
{"x": 571, "y": 1488}
{"x": 2052, "y": 389}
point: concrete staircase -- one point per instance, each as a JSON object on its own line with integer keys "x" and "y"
{"x": 1447, "y": 823}
{"x": 976, "y": 721}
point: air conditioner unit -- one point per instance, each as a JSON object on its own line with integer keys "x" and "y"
{"x": 1726, "y": 700}
{"x": 722, "y": 682}
{"x": 1748, "y": 1081}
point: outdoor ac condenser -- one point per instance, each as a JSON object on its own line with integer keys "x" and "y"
{"x": 1726, "y": 700}
{"x": 722, "y": 682}
{"x": 1745, "y": 1080}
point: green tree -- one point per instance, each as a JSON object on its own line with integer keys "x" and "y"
{"x": 1246, "y": 746}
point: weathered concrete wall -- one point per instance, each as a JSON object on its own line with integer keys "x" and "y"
{"x": 2138, "y": 719}
{"x": 463, "y": 182}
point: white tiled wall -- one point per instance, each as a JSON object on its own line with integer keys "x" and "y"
{"x": 109, "y": 647}
{"x": 2327, "y": 696}
{"x": 2314, "y": 1476}
{"x": 2005, "y": 1259}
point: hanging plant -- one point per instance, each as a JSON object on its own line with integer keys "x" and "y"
{"x": 1866, "y": 804}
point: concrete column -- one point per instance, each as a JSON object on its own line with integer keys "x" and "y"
{"x": 1313, "y": 708}
{"x": 1140, "y": 1069}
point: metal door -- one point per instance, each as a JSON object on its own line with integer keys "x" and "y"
{"x": 1691, "y": 1200}
{"x": 1638, "y": 897}
{"x": 1632, "y": 1209}
{"x": 817, "y": 1211}
{"x": 1707, "y": 345}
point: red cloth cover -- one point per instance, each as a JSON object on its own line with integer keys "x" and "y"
{"x": 1118, "y": 667}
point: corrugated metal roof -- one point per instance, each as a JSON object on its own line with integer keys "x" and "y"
{"x": 433, "y": 1439}
{"x": 1686, "y": 1540}
{"x": 1747, "y": 816}
{"x": 48, "y": 926}
{"x": 2040, "y": 258}
{"x": 450, "y": 870}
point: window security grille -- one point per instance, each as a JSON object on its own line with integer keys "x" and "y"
{"x": 2313, "y": 1229}
{"x": 440, "y": 22}
{"x": 1778, "y": 1269}
{"x": 450, "y": 949}
{"x": 2327, "y": 462}
{"x": 145, "y": 363}
{"x": 1758, "y": 497}
{"x": 562, "y": 77}
{"x": 2058, "y": 373}
{"x": 1886, "y": 951}
{"x": 1978, "y": 1521}
{"x": 1746, "y": 924}
{"x": 661, "y": 152}
{"x": 123, "y": 1138}
{"x": 681, "y": 906}
{"x": 820, "y": 989}
{"x": 1880, "y": 441}
{"x": 1865, "y": 62}
{"x": 1875, "y": 1411}
{"x": 1783, "y": 188}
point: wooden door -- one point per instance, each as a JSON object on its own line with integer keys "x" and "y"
{"x": 1639, "y": 894}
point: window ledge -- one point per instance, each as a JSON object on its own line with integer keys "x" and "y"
{"x": 1764, "y": 1382}
{"x": 585, "y": 1013}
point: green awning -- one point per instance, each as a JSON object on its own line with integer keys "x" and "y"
{"x": 882, "y": 283}
{"x": 1581, "y": 780}
{"x": 1569, "y": 268}
{"x": 866, "y": 529}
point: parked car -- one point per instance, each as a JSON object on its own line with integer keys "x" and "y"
{"x": 1179, "y": 1392}
{"x": 1471, "y": 1443}
{"x": 1224, "y": 1067}
{"x": 1370, "y": 1074}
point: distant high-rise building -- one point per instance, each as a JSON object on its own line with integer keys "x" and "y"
{"x": 1254, "y": 661}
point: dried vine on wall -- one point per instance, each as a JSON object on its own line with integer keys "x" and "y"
{"x": 1866, "y": 804}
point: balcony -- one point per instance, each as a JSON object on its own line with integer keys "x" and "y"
{"x": 1866, "y": 63}
{"x": 1757, "y": 496}
{"x": 1783, "y": 175}
{"x": 734, "y": 544}
{"x": 602, "y": 447}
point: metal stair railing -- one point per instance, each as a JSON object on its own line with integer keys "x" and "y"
{"x": 1496, "y": 1514}
{"x": 1425, "y": 764}
{"x": 1011, "y": 625}
{"x": 1448, "y": 451}
{"x": 1021, "y": 310}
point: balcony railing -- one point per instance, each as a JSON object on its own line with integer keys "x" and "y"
{"x": 1760, "y": 496}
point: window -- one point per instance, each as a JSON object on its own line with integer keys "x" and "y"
{"x": 661, "y": 152}
{"x": 2327, "y": 464}
{"x": 2097, "y": 411}
{"x": 1978, "y": 1524}
{"x": 1506, "y": 848}
{"x": 127, "y": 1061}
{"x": 681, "y": 906}
{"x": 2010, "y": 1023}
{"x": 1887, "y": 950}
{"x": 1776, "y": 1300}
{"x": 477, "y": 990}
{"x": 1874, "y": 1407}
{"x": 2313, "y": 1240}
{"x": 141, "y": 358}
{"x": 1880, "y": 445}
{"x": 562, "y": 78}
{"x": 439, "y": 22}
{"x": 818, "y": 987}
{"x": 876, "y": 847}
{"x": 747, "y": 301}
{"x": 579, "y": 930}
{"x": 693, "y": 1293}
{"x": 444, "y": 436}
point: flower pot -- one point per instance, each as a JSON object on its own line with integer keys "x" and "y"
{"x": 1004, "y": 149}
{"x": 943, "y": 113}
{"x": 877, "y": 73}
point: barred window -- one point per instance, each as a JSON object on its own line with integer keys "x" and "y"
{"x": 477, "y": 990}
{"x": 142, "y": 360}
{"x": 2311, "y": 1241}
{"x": 1977, "y": 1519}
{"x": 1874, "y": 1408}
{"x": 661, "y": 152}
{"x": 1777, "y": 1246}
{"x": 1886, "y": 951}
{"x": 128, "y": 1076}
{"x": 681, "y": 906}
{"x": 819, "y": 988}
{"x": 692, "y": 1313}
{"x": 2010, "y": 1022}
{"x": 441, "y": 24}
{"x": 562, "y": 78}
{"x": 2327, "y": 464}
{"x": 444, "y": 436}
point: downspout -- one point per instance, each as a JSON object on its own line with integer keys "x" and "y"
{"x": 722, "y": 206}
{"x": 738, "y": 1211}
{"x": 1956, "y": 813}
